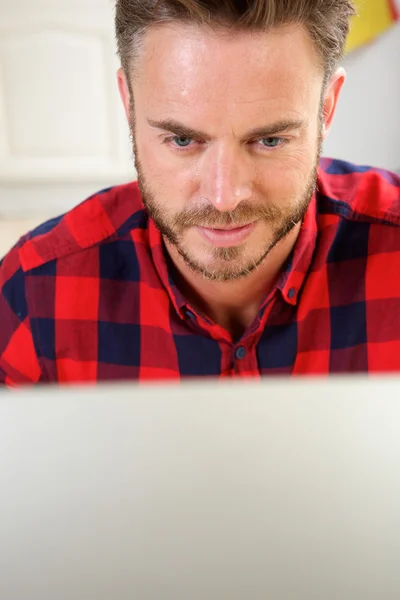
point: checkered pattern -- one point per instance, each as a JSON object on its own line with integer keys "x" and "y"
{"x": 88, "y": 296}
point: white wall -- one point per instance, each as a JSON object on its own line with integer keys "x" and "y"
{"x": 63, "y": 134}
{"x": 367, "y": 125}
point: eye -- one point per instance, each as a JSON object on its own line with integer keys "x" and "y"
{"x": 271, "y": 142}
{"x": 181, "y": 142}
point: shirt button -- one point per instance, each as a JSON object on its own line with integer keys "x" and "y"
{"x": 240, "y": 353}
{"x": 292, "y": 293}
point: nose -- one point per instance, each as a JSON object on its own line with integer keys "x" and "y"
{"x": 226, "y": 178}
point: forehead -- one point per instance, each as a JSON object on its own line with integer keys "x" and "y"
{"x": 219, "y": 72}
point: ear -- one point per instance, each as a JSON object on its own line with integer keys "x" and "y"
{"x": 331, "y": 98}
{"x": 124, "y": 92}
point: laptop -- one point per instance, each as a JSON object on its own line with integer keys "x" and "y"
{"x": 281, "y": 489}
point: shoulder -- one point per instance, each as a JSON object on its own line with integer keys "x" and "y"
{"x": 358, "y": 214}
{"x": 359, "y": 193}
{"x": 102, "y": 217}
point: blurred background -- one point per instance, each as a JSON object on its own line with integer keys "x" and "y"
{"x": 63, "y": 134}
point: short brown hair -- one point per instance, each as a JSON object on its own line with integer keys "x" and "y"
{"x": 326, "y": 21}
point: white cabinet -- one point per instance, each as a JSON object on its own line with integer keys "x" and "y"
{"x": 63, "y": 133}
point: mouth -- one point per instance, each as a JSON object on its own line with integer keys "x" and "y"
{"x": 228, "y": 236}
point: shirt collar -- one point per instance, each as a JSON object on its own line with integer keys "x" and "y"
{"x": 164, "y": 270}
{"x": 293, "y": 277}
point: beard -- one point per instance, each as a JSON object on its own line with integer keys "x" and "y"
{"x": 232, "y": 263}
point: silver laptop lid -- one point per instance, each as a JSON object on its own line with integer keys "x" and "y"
{"x": 280, "y": 490}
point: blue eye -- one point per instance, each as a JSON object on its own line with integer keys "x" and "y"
{"x": 272, "y": 142}
{"x": 182, "y": 142}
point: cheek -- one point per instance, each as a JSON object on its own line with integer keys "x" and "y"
{"x": 162, "y": 168}
{"x": 288, "y": 176}
{"x": 278, "y": 186}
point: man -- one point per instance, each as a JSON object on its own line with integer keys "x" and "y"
{"x": 238, "y": 252}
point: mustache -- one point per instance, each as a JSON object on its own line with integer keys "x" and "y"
{"x": 209, "y": 216}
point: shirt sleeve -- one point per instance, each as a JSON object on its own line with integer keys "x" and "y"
{"x": 19, "y": 362}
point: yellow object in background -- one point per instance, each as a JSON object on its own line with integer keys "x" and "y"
{"x": 374, "y": 17}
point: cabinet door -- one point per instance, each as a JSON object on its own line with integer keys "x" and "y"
{"x": 62, "y": 128}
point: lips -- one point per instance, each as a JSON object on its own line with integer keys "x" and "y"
{"x": 227, "y": 237}
{"x": 228, "y": 228}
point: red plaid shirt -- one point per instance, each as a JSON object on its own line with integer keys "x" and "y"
{"x": 88, "y": 296}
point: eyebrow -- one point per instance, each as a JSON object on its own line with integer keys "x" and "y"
{"x": 267, "y": 131}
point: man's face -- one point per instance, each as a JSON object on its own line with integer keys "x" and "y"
{"x": 227, "y": 138}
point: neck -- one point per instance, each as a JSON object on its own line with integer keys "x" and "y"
{"x": 233, "y": 304}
